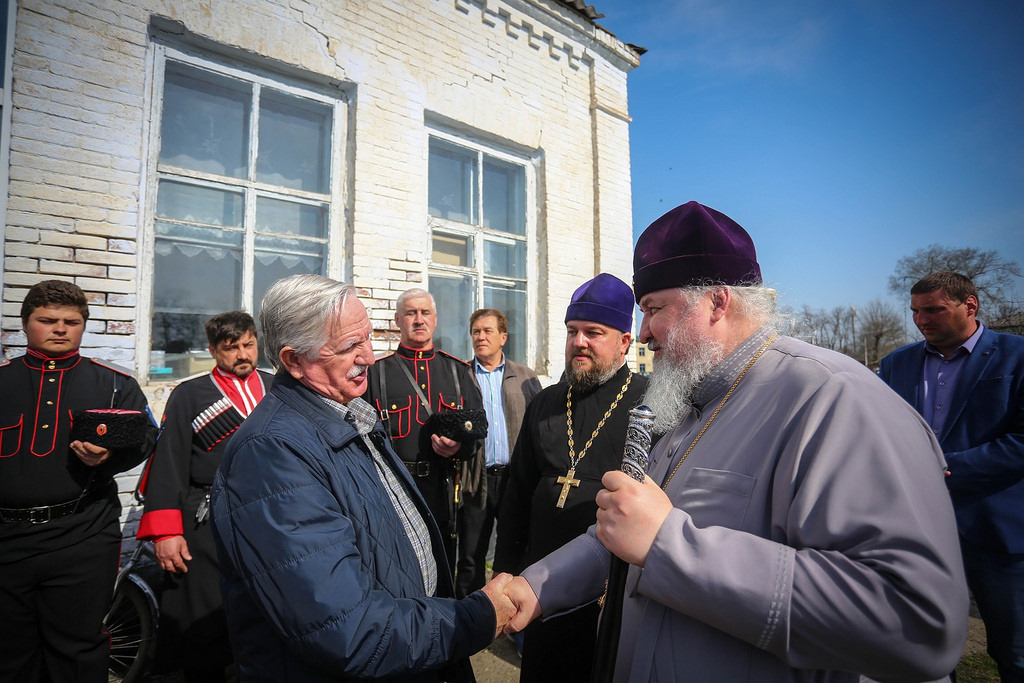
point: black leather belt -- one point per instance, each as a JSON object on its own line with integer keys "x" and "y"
{"x": 420, "y": 468}
{"x": 43, "y": 513}
{"x": 500, "y": 470}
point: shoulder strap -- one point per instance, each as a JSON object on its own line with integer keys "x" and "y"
{"x": 416, "y": 387}
{"x": 117, "y": 390}
{"x": 455, "y": 376}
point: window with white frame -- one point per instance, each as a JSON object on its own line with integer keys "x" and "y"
{"x": 246, "y": 193}
{"x": 479, "y": 235}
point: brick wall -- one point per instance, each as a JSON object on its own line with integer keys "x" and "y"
{"x": 532, "y": 78}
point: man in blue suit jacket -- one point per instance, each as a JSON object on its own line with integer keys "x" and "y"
{"x": 968, "y": 383}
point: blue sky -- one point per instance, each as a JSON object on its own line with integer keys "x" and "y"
{"x": 842, "y": 135}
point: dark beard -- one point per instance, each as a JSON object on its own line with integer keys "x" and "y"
{"x": 585, "y": 381}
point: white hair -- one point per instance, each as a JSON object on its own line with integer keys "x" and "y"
{"x": 297, "y": 312}
{"x": 412, "y": 294}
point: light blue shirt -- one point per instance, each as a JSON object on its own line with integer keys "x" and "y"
{"x": 940, "y": 378}
{"x": 496, "y": 444}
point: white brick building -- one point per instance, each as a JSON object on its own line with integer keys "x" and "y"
{"x": 174, "y": 157}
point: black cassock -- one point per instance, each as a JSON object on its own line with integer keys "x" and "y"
{"x": 530, "y": 525}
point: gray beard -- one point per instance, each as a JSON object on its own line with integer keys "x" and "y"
{"x": 586, "y": 381}
{"x": 670, "y": 391}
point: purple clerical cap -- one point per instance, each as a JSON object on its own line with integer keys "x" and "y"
{"x": 606, "y": 299}
{"x": 693, "y": 245}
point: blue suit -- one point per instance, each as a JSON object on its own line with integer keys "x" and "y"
{"x": 983, "y": 441}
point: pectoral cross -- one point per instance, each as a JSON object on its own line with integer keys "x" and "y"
{"x": 566, "y": 482}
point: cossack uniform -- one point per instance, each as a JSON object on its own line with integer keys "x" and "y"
{"x": 60, "y": 533}
{"x": 200, "y": 416}
{"x": 447, "y": 383}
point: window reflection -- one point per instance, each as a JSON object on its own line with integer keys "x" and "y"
{"x": 295, "y": 142}
{"x": 510, "y": 300}
{"x": 504, "y": 196}
{"x": 452, "y": 182}
{"x": 205, "y": 124}
{"x": 453, "y": 295}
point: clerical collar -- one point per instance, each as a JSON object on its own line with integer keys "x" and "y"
{"x": 725, "y": 373}
{"x": 40, "y": 361}
{"x": 416, "y": 354}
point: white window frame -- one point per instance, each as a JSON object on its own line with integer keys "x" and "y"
{"x": 336, "y": 263}
{"x": 530, "y": 165}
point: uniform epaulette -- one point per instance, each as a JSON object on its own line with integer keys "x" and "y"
{"x": 112, "y": 366}
{"x": 455, "y": 358}
{"x": 4, "y": 361}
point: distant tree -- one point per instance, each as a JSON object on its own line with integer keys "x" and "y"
{"x": 993, "y": 275}
{"x": 881, "y": 330}
{"x": 835, "y": 329}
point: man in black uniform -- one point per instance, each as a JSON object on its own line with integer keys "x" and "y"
{"x": 60, "y": 533}
{"x": 573, "y": 432}
{"x": 200, "y": 416}
{"x": 411, "y": 385}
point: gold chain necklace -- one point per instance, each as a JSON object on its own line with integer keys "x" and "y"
{"x": 719, "y": 408}
{"x": 574, "y": 460}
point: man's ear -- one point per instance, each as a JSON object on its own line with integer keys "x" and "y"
{"x": 721, "y": 298}
{"x": 972, "y": 304}
{"x": 290, "y": 362}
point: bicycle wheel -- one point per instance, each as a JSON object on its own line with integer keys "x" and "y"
{"x": 131, "y": 623}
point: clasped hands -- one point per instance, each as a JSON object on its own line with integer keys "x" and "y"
{"x": 629, "y": 516}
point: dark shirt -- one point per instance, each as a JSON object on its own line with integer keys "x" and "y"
{"x": 530, "y": 525}
{"x": 37, "y": 465}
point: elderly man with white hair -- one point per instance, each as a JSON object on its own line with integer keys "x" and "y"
{"x": 794, "y": 524}
{"x": 332, "y": 565}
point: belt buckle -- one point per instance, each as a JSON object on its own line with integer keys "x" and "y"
{"x": 33, "y": 518}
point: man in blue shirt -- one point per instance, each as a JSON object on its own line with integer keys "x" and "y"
{"x": 507, "y": 388}
{"x": 968, "y": 383}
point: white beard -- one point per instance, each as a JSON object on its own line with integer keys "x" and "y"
{"x": 680, "y": 365}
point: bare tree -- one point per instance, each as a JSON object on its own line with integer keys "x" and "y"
{"x": 880, "y": 331}
{"x": 835, "y": 329}
{"x": 993, "y": 275}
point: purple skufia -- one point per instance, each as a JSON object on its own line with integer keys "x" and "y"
{"x": 693, "y": 245}
{"x": 605, "y": 299}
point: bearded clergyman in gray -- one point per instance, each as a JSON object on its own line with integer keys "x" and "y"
{"x": 794, "y": 524}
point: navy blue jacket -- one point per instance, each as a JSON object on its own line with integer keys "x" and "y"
{"x": 983, "y": 438}
{"x": 319, "y": 578}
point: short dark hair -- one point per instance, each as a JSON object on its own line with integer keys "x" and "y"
{"x": 54, "y": 293}
{"x": 229, "y": 327}
{"x": 956, "y": 286}
{"x": 484, "y": 312}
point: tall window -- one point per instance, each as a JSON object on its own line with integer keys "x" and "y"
{"x": 479, "y": 240}
{"x": 245, "y": 195}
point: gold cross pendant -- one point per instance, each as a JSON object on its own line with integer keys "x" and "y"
{"x": 566, "y": 482}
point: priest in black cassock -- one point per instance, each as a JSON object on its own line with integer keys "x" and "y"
{"x": 573, "y": 432}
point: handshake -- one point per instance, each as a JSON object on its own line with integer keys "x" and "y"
{"x": 515, "y": 603}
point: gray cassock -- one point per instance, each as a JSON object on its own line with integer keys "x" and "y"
{"x": 812, "y": 537}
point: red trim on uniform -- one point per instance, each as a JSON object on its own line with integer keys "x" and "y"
{"x": 244, "y": 394}
{"x": 158, "y": 523}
